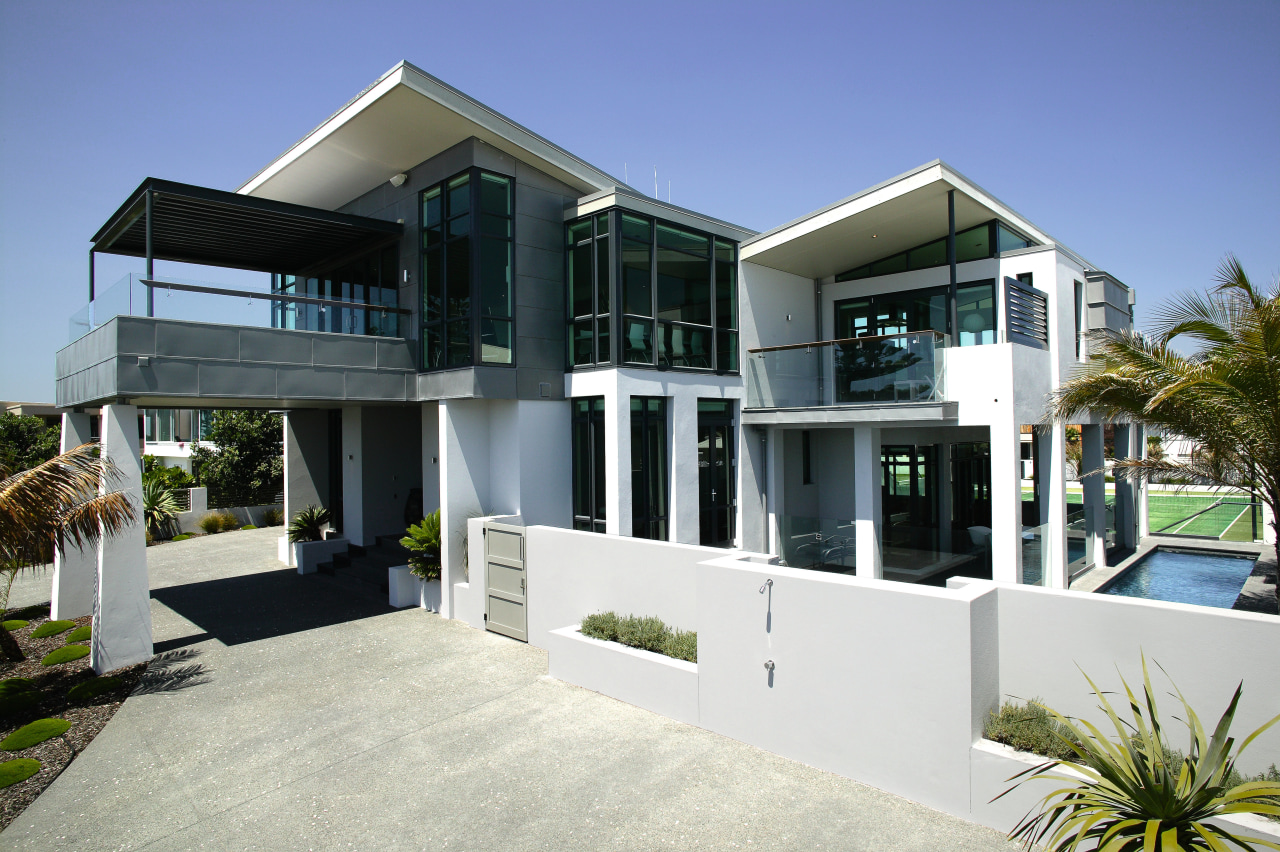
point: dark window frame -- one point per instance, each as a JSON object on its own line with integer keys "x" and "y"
{"x": 993, "y": 226}
{"x": 645, "y": 522}
{"x": 588, "y": 412}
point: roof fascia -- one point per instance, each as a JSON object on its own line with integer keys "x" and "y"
{"x": 432, "y": 88}
{"x": 653, "y": 207}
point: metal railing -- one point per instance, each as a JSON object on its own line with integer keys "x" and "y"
{"x": 889, "y": 368}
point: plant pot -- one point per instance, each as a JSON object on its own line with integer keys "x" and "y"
{"x": 307, "y": 555}
{"x": 430, "y": 595}
{"x": 403, "y": 589}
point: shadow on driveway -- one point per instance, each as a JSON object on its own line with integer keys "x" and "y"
{"x": 259, "y": 606}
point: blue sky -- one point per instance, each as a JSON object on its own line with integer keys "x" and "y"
{"x": 1143, "y": 135}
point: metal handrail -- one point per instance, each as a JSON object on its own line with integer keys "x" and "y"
{"x": 937, "y": 335}
{"x": 273, "y": 297}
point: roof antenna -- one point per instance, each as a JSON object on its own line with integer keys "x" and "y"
{"x": 655, "y": 181}
{"x": 668, "y": 191}
{"x": 625, "y": 178}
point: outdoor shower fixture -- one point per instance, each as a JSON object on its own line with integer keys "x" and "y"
{"x": 768, "y": 584}
{"x": 768, "y": 664}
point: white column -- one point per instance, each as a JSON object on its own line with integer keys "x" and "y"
{"x": 1006, "y": 501}
{"x": 866, "y": 496}
{"x": 1095, "y": 494}
{"x": 686, "y": 526}
{"x": 73, "y": 570}
{"x": 464, "y": 488}
{"x": 122, "y": 599}
{"x": 617, "y": 461}
{"x": 1126, "y": 492}
{"x": 353, "y": 475}
{"x": 1144, "y": 491}
{"x": 773, "y": 489}
{"x": 1052, "y": 471}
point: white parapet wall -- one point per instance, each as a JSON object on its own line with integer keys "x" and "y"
{"x": 883, "y": 682}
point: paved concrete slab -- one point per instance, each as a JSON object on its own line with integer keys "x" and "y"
{"x": 329, "y": 722}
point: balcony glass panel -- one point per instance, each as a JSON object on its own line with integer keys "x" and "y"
{"x": 821, "y": 544}
{"x": 894, "y": 368}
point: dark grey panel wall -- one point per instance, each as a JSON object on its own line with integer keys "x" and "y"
{"x": 307, "y": 458}
{"x": 392, "y": 464}
{"x": 539, "y": 263}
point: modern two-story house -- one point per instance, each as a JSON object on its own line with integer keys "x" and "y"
{"x": 463, "y": 315}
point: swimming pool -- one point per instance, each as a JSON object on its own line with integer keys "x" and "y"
{"x": 1180, "y": 576}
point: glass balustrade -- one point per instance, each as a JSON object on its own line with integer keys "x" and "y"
{"x": 886, "y": 369}
{"x": 823, "y": 544}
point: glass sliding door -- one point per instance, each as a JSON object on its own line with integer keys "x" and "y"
{"x": 649, "y": 467}
{"x": 588, "y": 464}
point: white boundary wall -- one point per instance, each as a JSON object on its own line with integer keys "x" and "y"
{"x": 888, "y": 683}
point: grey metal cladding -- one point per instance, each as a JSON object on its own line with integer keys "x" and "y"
{"x": 539, "y": 233}
{"x": 538, "y": 320}
{"x": 378, "y": 385}
{"x": 237, "y": 380}
{"x": 529, "y": 384}
{"x": 340, "y": 350}
{"x": 539, "y": 263}
{"x": 540, "y": 204}
{"x": 447, "y": 384}
{"x": 395, "y": 355}
{"x": 310, "y": 382}
{"x": 163, "y": 376}
{"x": 496, "y": 382}
{"x": 197, "y": 340}
{"x": 540, "y": 353}
{"x": 535, "y": 177}
{"x": 540, "y": 293}
{"x": 281, "y": 346}
{"x": 136, "y": 338}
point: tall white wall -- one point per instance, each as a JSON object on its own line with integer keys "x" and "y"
{"x": 768, "y": 296}
{"x": 464, "y": 484}
{"x": 73, "y": 568}
{"x": 122, "y": 597}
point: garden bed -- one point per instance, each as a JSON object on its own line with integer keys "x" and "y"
{"x": 646, "y": 679}
{"x": 50, "y": 686}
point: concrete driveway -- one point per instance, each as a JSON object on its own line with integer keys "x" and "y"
{"x": 318, "y": 719}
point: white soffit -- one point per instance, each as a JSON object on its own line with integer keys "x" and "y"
{"x": 896, "y": 215}
{"x": 403, "y": 119}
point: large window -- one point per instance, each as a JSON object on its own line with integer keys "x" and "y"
{"x": 649, "y": 467}
{"x": 670, "y": 291}
{"x": 921, "y": 310}
{"x": 468, "y": 282}
{"x": 588, "y": 464}
{"x": 976, "y": 243}
{"x": 368, "y": 283}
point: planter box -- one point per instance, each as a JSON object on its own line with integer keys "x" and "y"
{"x": 403, "y": 589}
{"x": 992, "y": 763}
{"x": 653, "y": 681}
{"x": 308, "y": 554}
{"x": 430, "y": 598}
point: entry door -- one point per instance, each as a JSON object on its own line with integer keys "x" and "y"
{"x": 505, "y": 581}
{"x": 715, "y": 472}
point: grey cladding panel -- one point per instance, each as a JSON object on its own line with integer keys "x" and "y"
{"x": 310, "y": 382}
{"x": 237, "y": 380}
{"x": 198, "y": 340}
{"x": 539, "y": 232}
{"x": 448, "y": 384}
{"x": 377, "y": 385}
{"x": 540, "y": 322}
{"x": 531, "y": 176}
{"x": 162, "y": 377}
{"x": 274, "y": 347}
{"x": 342, "y": 351}
{"x": 135, "y": 338}
{"x": 539, "y": 353}
{"x": 540, "y": 293}
{"x": 540, "y": 263}
{"x": 397, "y": 354}
{"x": 540, "y": 204}
{"x": 531, "y": 381}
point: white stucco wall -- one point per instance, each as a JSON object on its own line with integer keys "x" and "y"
{"x": 768, "y": 296}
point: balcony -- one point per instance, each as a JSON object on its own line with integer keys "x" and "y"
{"x": 864, "y": 371}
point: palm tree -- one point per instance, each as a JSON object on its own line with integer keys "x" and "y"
{"x": 51, "y": 506}
{"x": 1225, "y": 397}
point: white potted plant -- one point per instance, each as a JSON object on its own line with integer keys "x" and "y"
{"x": 419, "y": 581}
{"x": 306, "y": 537}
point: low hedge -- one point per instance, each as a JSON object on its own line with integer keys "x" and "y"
{"x": 15, "y": 624}
{"x": 65, "y": 654}
{"x": 51, "y": 628}
{"x": 644, "y": 632}
{"x": 91, "y": 689}
{"x": 34, "y": 734}
{"x": 13, "y": 771}
{"x": 81, "y": 633}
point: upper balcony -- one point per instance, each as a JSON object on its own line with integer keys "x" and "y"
{"x": 894, "y": 377}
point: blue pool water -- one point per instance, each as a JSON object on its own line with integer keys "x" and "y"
{"x": 1184, "y": 577}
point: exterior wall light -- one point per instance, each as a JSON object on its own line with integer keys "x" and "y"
{"x": 398, "y": 180}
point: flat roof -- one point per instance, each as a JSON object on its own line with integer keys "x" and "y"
{"x": 196, "y": 224}
{"x": 898, "y": 214}
{"x": 403, "y": 119}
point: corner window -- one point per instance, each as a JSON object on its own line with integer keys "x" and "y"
{"x": 588, "y": 464}
{"x": 649, "y": 467}
{"x": 468, "y": 281}
{"x": 671, "y": 292}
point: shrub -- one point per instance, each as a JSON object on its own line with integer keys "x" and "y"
{"x": 227, "y": 521}
{"x": 683, "y": 645}
{"x": 159, "y": 508}
{"x": 182, "y": 537}
{"x": 13, "y": 771}
{"x": 34, "y": 734}
{"x": 272, "y": 518}
{"x": 308, "y": 525}
{"x": 248, "y": 527}
{"x": 1134, "y": 795}
{"x": 51, "y": 628}
{"x": 646, "y": 633}
{"x": 1029, "y": 727}
{"x": 91, "y": 689}
{"x": 31, "y": 612}
{"x": 65, "y": 654}
{"x": 15, "y": 624}
{"x": 210, "y": 523}
{"x": 80, "y": 634}
{"x": 423, "y": 540}
{"x": 601, "y": 625}
{"x": 17, "y": 694}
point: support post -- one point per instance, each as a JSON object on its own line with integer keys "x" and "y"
{"x": 774, "y": 507}
{"x": 866, "y": 495}
{"x": 1095, "y": 494}
{"x": 1053, "y": 485}
{"x": 122, "y": 597}
{"x": 74, "y": 569}
{"x": 953, "y": 316}
{"x": 1006, "y": 500}
{"x": 1126, "y": 491}
{"x": 151, "y": 259}
{"x": 682, "y": 468}
{"x": 617, "y": 460}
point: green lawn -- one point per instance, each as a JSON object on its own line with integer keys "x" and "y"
{"x": 1172, "y": 513}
